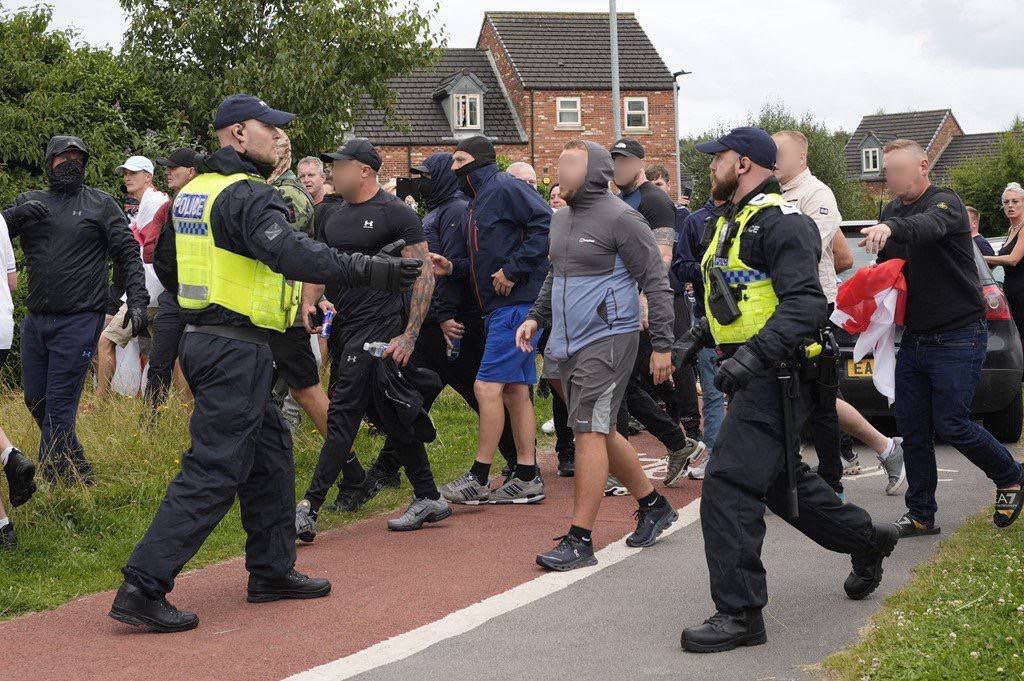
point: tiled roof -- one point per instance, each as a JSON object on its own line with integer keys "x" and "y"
{"x": 424, "y": 116}
{"x": 920, "y": 126}
{"x": 963, "y": 149}
{"x": 569, "y": 51}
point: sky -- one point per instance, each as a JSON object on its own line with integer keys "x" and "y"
{"x": 836, "y": 59}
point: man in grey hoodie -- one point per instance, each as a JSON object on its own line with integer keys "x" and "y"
{"x": 601, "y": 249}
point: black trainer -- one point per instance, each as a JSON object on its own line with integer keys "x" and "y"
{"x": 723, "y": 632}
{"x": 384, "y": 477}
{"x": 21, "y": 473}
{"x": 867, "y": 567}
{"x": 909, "y": 527}
{"x": 651, "y": 521}
{"x": 352, "y": 496}
{"x": 131, "y": 606}
{"x": 293, "y": 585}
{"x": 571, "y": 553}
{"x": 8, "y": 538}
{"x": 567, "y": 465}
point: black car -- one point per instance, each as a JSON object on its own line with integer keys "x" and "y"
{"x": 997, "y": 401}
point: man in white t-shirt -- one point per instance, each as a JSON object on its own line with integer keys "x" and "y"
{"x": 19, "y": 470}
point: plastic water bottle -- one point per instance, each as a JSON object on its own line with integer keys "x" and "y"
{"x": 376, "y": 349}
{"x": 328, "y": 324}
{"x": 453, "y": 349}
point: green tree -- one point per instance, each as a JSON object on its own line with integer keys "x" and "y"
{"x": 320, "y": 59}
{"x": 980, "y": 181}
{"x": 824, "y": 157}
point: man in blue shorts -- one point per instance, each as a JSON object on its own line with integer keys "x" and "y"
{"x": 507, "y": 238}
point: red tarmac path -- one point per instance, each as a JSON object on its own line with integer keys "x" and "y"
{"x": 384, "y": 584}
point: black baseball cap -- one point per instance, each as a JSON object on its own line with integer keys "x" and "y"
{"x": 179, "y": 158}
{"x": 357, "y": 149}
{"x": 241, "y": 107}
{"x": 421, "y": 169}
{"x": 754, "y": 143}
{"x": 627, "y": 147}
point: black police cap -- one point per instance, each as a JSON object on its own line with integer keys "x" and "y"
{"x": 754, "y": 143}
{"x": 238, "y": 108}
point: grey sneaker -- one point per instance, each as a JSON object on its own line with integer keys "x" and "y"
{"x": 466, "y": 490}
{"x": 698, "y": 462}
{"x": 614, "y": 488}
{"x": 517, "y": 491}
{"x": 420, "y": 511}
{"x": 894, "y": 468}
{"x": 851, "y": 463}
{"x": 305, "y": 522}
{"x": 679, "y": 460}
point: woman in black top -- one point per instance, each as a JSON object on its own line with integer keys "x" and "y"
{"x": 1012, "y": 252}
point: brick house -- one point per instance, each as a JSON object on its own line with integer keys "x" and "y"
{"x": 534, "y": 81}
{"x": 938, "y": 132}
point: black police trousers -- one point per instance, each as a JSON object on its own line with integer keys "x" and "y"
{"x": 430, "y": 353}
{"x": 241, "y": 447}
{"x": 351, "y": 383}
{"x": 746, "y": 472}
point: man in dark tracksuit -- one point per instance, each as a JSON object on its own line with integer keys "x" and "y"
{"x": 766, "y": 253}
{"x": 241, "y": 445}
{"x": 68, "y": 232}
{"x": 454, "y": 316}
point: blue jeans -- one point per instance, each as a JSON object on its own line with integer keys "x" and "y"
{"x": 936, "y": 376}
{"x": 714, "y": 401}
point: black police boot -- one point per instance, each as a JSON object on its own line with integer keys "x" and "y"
{"x": 293, "y": 585}
{"x": 651, "y": 521}
{"x": 723, "y": 632}
{"x": 131, "y": 606}
{"x": 867, "y": 567}
{"x": 21, "y": 473}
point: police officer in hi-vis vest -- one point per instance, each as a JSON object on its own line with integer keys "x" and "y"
{"x": 765, "y": 311}
{"x": 236, "y": 258}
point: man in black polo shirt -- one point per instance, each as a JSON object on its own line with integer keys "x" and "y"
{"x": 368, "y": 220}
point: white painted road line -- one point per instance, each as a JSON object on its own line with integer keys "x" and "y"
{"x": 471, "y": 617}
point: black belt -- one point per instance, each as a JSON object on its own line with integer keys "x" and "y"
{"x": 247, "y": 334}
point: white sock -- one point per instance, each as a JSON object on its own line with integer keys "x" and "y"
{"x": 888, "y": 450}
{"x": 3, "y": 458}
{"x": 4, "y": 522}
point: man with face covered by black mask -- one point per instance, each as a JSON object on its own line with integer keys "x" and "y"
{"x": 68, "y": 233}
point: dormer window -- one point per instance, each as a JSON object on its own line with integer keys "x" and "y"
{"x": 870, "y": 160}
{"x": 466, "y": 108}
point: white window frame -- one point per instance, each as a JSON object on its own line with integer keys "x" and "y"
{"x": 626, "y": 113}
{"x": 577, "y": 109}
{"x": 870, "y": 154}
{"x": 457, "y": 101}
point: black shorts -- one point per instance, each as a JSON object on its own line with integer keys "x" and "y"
{"x": 294, "y": 359}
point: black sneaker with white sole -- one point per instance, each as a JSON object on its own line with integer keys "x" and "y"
{"x": 570, "y": 553}
{"x": 651, "y": 521}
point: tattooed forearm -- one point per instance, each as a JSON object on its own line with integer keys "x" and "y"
{"x": 665, "y": 237}
{"x": 422, "y": 290}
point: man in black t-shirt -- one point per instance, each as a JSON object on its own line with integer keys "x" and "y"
{"x": 368, "y": 220}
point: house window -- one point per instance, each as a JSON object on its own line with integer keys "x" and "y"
{"x": 467, "y": 112}
{"x": 636, "y": 113}
{"x": 568, "y": 109}
{"x": 869, "y": 160}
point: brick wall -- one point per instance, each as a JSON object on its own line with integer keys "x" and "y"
{"x": 947, "y": 132}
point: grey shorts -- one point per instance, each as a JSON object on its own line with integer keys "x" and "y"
{"x": 595, "y": 380}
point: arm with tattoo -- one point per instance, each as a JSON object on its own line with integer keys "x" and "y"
{"x": 400, "y": 348}
{"x": 665, "y": 237}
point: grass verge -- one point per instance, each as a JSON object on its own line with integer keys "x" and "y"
{"x": 73, "y": 541}
{"x": 961, "y": 617}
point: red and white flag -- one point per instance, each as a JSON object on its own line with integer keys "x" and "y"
{"x": 871, "y": 305}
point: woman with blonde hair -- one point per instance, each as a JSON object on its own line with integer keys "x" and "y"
{"x": 1012, "y": 252}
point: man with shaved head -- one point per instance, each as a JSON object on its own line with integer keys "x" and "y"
{"x": 523, "y": 171}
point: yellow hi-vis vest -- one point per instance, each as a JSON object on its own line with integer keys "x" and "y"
{"x": 755, "y": 296}
{"x": 209, "y": 275}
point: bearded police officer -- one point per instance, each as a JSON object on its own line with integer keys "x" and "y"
{"x": 764, "y": 309}
{"x": 236, "y": 257}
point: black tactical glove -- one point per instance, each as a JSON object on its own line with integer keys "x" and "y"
{"x": 30, "y": 211}
{"x": 386, "y": 271}
{"x": 734, "y": 373}
{"x": 687, "y": 346}
{"x": 136, "y": 316}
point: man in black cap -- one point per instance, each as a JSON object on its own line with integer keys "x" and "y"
{"x": 369, "y": 220}
{"x": 69, "y": 232}
{"x": 180, "y": 167}
{"x": 764, "y": 311}
{"x": 235, "y": 254}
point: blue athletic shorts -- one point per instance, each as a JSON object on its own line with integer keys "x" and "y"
{"x": 503, "y": 362}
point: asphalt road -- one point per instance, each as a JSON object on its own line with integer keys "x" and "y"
{"x": 624, "y": 622}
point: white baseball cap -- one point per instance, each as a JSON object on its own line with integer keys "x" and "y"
{"x": 136, "y": 163}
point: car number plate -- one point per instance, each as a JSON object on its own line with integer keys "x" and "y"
{"x": 862, "y": 369}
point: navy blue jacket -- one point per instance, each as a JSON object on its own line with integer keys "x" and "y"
{"x": 444, "y": 225}
{"x": 507, "y": 229}
{"x": 686, "y": 260}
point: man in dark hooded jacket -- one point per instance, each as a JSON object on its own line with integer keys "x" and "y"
{"x": 68, "y": 233}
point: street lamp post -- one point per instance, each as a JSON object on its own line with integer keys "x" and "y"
{"x": 679, "y": 158}
{"x": 613, "y": 25}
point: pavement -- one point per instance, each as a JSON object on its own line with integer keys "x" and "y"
{"x": 464, "y": 600}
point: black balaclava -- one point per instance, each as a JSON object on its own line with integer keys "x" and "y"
{"x": 482, "y": 151}
{"x": 68, "y": 177}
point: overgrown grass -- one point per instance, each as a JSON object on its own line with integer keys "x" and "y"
{"x": 962, "y": 616}
{"x": 73, "y": 541}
